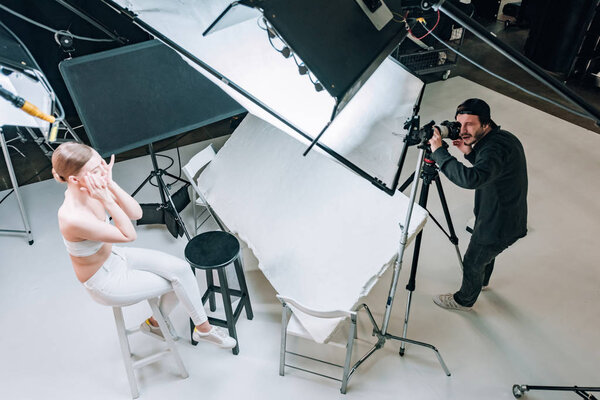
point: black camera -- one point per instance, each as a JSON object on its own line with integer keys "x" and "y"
{"x": 449, "y": 129}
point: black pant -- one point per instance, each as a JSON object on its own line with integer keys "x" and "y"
{"x": 478, "y": 264}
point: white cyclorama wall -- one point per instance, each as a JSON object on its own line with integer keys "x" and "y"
{"x": 321, "y": 235}
{"x": 368, "y": 131}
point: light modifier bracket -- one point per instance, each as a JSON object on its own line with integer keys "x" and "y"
{"x": 379, "y": 17}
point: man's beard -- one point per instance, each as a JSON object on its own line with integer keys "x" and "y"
{"x": 476, "y": 137}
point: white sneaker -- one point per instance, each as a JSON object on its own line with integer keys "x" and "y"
{"x": 447, "y": 301}
{"x": 217, "y": 336}
{"x": 150, "y": 330}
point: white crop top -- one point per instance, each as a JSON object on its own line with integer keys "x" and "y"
{"x": 83, "y": 248}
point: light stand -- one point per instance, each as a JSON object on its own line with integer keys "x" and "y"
{"x": 13, "y": 179}
{"x": 165, "y": 195}
{"x": 382, "y": 334}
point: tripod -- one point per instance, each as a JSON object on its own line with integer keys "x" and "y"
{"x": 167, "y": 203}
{"x": 427, "y": 171}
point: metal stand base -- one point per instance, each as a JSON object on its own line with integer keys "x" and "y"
{"x": 428, "y": 173}
{"x": 519, "y": 390}
{"x": 13, "y": 179}
{"x": 383, "y": 337}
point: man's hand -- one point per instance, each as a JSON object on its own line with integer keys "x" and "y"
{"x": 464, "y": 148}
{"x": 436, "y": 140}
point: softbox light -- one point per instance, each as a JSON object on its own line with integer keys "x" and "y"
{"x": 335, "y": 38}
{"x": 365, "y": 136}
{"x": 138, "y": 94}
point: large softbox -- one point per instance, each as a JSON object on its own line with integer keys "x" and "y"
{"x": 135, "y": 95}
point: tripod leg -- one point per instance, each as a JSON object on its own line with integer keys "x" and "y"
{"x": 453, "y": 237}
{"x": 402, "y": 247}
{"x": 407, "y": 182}
{"x": 415, "y": 262}
{"x": 142, "y": 184}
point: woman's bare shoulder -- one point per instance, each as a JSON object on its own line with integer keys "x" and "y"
{"x": 70, "y": 218}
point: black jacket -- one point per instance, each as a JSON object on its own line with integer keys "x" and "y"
{"x": 499, "y": 177}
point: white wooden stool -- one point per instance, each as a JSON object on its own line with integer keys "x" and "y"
{"x": 132, "y": 362}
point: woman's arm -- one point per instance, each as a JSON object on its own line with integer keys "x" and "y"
{"x": 127, "y": 203}
{"x": 90, "y": 228}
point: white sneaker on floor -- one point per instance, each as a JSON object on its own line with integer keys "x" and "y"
{"x": 217, "y": 336}
{"x": 447, "y": 301}
{"x": 150, "y": 330}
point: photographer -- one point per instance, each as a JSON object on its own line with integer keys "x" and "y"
{"x": 499, "y": 177}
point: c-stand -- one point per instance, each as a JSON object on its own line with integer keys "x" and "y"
{"x": 167, "y": 204}
{"x": 428, "y": 172}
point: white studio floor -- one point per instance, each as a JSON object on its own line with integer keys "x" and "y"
{"x": 538, "y": 324}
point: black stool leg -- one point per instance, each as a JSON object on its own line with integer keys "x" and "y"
{"x": 227, "y": 305}
{"x": 244, "y": 289}
{"x": 211, "y": 297}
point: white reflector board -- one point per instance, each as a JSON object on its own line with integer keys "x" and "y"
{"x": 368, "y": 131}
{"x": 321, "y": 235}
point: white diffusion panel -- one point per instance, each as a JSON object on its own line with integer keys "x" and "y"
{"x": 321, "y": 235}
{"x": 367, "y": 132}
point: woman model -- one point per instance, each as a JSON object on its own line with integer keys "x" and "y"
{"x": 115, "y": 275}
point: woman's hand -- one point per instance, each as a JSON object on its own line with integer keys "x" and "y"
{"x": 107, "y": 170}
{"x": 96, "y": 187}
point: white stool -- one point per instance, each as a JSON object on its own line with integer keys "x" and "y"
{"x": 131, "y": 362}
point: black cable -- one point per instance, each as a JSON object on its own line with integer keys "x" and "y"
{"x": 179, "y": 162}
{"x": 26, "y": 19}
{"x": 264, "y": 28}
{"x": 166, "y": 168}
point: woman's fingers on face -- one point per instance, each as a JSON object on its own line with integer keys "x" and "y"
{"x": 93, "y": 181}
{"x": 97, "y": 181}
{"x": 112, "y": 161}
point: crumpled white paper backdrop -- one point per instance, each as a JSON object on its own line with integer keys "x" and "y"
{"x": 321, "y": 234}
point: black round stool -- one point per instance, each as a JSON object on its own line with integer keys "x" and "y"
{"x": 214, "y": 251}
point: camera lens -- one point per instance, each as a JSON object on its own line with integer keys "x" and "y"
{"x": 450, "y": 130}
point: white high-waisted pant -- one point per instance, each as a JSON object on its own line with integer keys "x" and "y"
{"x": 131, "y": 274}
